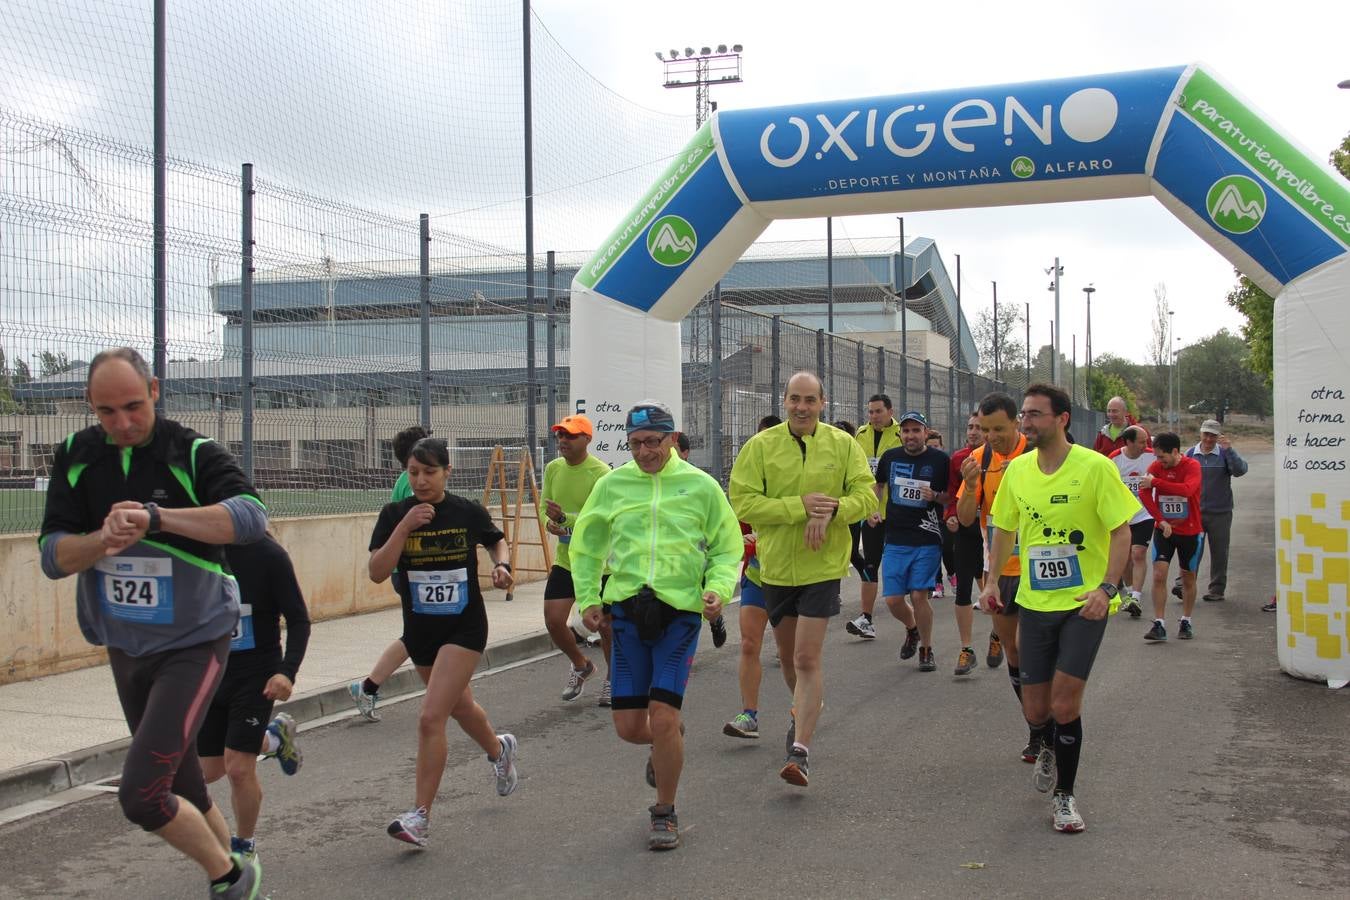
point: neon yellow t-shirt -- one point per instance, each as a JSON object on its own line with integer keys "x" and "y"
{"x": 1063, "y": 523}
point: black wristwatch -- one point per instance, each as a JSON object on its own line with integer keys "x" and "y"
{"x": 1108, "y": 589}
{"x": 153, "y": 510}
{"x": 504, "y": 565}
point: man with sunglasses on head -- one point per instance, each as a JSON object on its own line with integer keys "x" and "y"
{"x": 568, "y": 481}
{"x": 1070, "y": 512}
{"x": 673, "y": 548}
{"x": 799, "y": 485}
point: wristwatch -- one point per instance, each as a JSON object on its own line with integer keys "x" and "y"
{"x": 1108, "y": 589}
{"x": 504, "y": 565}
{"x": 153, "y": 510}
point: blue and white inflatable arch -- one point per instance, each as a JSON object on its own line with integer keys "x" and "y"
{"x": 1270, "y": 208}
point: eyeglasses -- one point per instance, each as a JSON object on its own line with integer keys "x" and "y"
{"x": 651, "y": 443}
{"x": 1033, "y": 414}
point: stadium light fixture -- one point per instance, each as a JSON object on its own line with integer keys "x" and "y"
{"x": 700, "y": 70}
{"x": 721, "y": 48}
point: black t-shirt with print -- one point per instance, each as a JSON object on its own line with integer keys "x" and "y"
{"x": 910, "y": 520}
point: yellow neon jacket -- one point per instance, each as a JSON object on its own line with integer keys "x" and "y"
{"x": 673, "y": 531}
{"x": 873, "y": 449}
{"x": 772, "y": 472}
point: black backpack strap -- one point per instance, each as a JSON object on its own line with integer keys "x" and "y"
{"x": 986, "y": 459}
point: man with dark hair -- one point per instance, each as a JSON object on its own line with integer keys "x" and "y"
{"x": 981, "y": 475}
{"x": 140, "y": 508}
{"x": 669, "y": 539}
{"x": 880, "y": 433}
{"x": 682, "y": 446}
{"x": 1171, "y": 494}
{"x": 798, "y": 485}
{"x": 1070, "y": 512}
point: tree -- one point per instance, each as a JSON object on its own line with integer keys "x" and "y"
{"x": 50, "y": 363}
{"x": 1011, "y": 346}
{"x": 1215, "y": 377}
{"x": 1159, "y": 347}
{"x": 1258, "y": 307}
{"x": 8, "y": 404}
{"x": 1102, "y": 386}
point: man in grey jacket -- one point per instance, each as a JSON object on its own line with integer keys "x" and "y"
{"x": 1220, "y": 464}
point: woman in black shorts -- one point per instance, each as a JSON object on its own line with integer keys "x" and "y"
{"x": 432, "y": 538}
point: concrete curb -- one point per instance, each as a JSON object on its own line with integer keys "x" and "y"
{"x": 38, "y": 780}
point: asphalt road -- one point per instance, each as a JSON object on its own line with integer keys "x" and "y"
{"x": 1206, "y": 772}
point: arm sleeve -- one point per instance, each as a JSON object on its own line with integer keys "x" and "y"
{"x": 1236, "y": 464}
{"x": 859, "y": 500}
{"x": 1005, "y": 514}
{"x": 747, "y": 491}
{"x": 291, "y": 603}
{"x": 545, "y": 495}
{"x": 1149, "y": 497}
{"x": 249, "y": 518}
{"x": 590, "y": 547}
{"x": 384, "y": 526}
{"x": 489, "y": 535}
{"x": 217, "y": 476}
{"x": 62, "y": 513}
{"x": 725, "y": 546}
{"x": 1116, "y": 503}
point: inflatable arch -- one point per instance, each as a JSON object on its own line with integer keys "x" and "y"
{"x": 1180, "y": 134}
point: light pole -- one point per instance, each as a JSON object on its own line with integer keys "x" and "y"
{"x": 1171, "y": 365}
{"x": 701, "y": 70}
{"x": 1087, "y": 343}
{"x": 996, "y": 367}
{"x": 1055, "y": 272}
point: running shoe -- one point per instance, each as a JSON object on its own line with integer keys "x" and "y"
{"x": 650, "y": 774}
{"x": 1185, "y": 632}
{"x": 365, "y": 703}
{"x": 411, "y": 827}
{"x": 927, "y": 661}
{"x": 1030, "y": 752}
{"x": 743, "y": 725}
{"x": 719, "y": 631}
{"x": 1132, "y": 605}
{"x": 245, "y": 847}
{"x": 248, "y": 885}
{"x": 1043, "y": 776}
{"x": 1271, "y": 606}
{"x": 911, "y": 643}
{"x": 863, "y": 628}
{"x": 796, "y": 768}
{"x": 605, "y": 696}
{"x": 282, "y": 727}
{"x": 792, "y": 732}
{"x": 1067, "y": 818}
{"x": 1157, "y": 632}
{"x": 576, "y": 681}
{"x": 1176, "y": 591}
{"x": 504, "y": 766}
{"x": 665, "y": 828}
{"x": 938, "y": 592}
{"x": 965, "y": 663}
{"x": 1213, "y": 598}
{"x": 994, "y": 658}
{"x": 951, "y": 579}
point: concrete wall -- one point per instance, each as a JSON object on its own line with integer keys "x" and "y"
{"x": 39, "y": 634}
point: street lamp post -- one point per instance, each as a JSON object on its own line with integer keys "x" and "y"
{"x": 1055, "y": 272}
{"x": 1087, "y": 343}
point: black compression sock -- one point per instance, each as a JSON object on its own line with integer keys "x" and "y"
{"x": 1015, "y": 676}
{"x": 369, "y": 687}
{"x": 229, "y": 877}
{"x": 1068, "y": 746}
{"x": 1041, "y": 734}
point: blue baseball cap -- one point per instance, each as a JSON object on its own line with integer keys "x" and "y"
{"x": 914, "y": 416}
{"x": 650, "y": 415}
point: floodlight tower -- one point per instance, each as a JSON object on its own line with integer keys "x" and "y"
{"x": 700, "y": 70}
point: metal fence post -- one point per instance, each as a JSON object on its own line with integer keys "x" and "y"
{"x": 776, "y": 354}
{"x": 904, "y": 381}
{"x": 715, "y": 388}
{"x": 862, "y": 364}
{"x": 424, "y": 298}
{"x": 246, "y": 322}
{"x": 551, "y": 376}
{"x": 881, "y": 370}
{"x": 953, "y": 396}
{"x": 927, "y": 386}
{"x": 820, "y": 355}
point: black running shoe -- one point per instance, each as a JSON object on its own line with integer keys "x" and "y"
{"x": 911, "y": 644}
{"x": 719, "y": 631}
{"x": 1157, "y": 632}
{"x": 927, "y": 661}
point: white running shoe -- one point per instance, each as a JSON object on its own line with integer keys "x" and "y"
{"x": 504, "y": 766}
{"x": 862, "y": 627}
{"x": 1067, "y": 818}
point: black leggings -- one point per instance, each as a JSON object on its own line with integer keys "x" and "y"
{"x": 164, "y": 698}
{"x": 968, "y": 550}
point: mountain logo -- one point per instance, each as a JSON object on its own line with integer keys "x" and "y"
{"x": 1236, "y": 203}
{"x": 671, "y": 241}
{"x": 1023, "y": 167}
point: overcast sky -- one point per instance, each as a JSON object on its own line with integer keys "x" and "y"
{"x": 1285, "y": 58}
{"x": 410, "y": 106}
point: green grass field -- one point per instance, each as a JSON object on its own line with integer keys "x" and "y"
{"x": 21, "y": 510}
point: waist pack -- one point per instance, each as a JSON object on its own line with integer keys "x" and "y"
{"x": 648, "y": 613}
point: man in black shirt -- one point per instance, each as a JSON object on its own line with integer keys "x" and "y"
{"x": 913, "y": 480}
{"x": 239, "y": 724}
